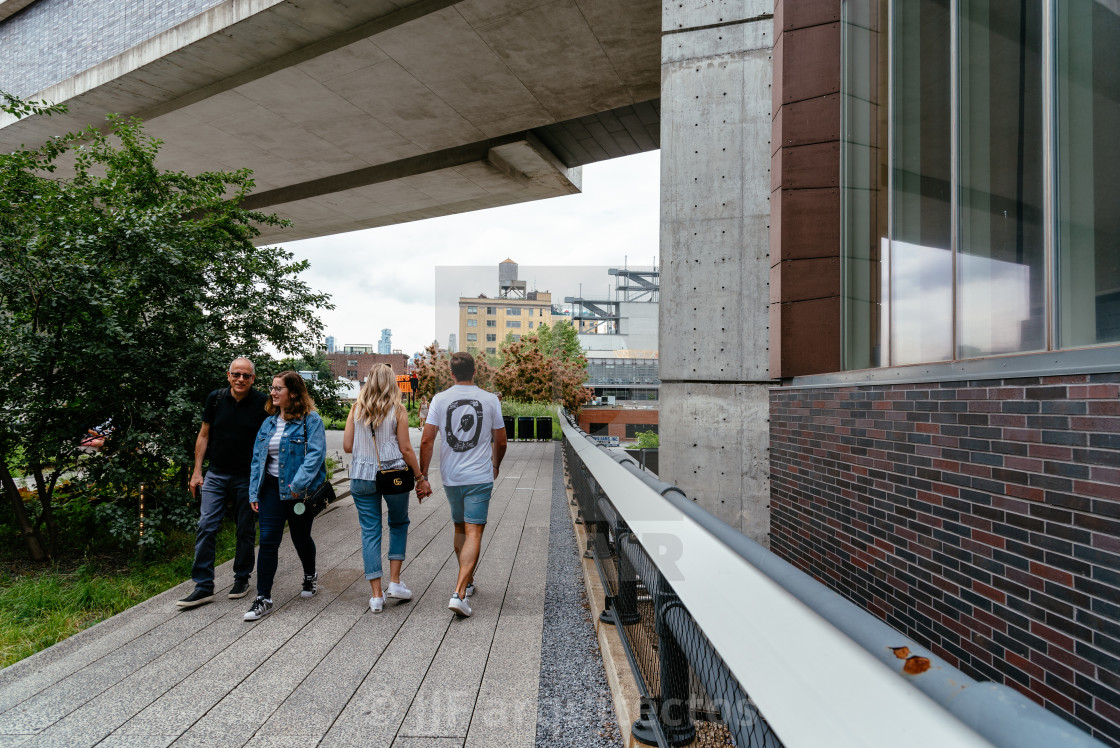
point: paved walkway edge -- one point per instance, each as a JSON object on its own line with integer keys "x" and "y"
{"x": 624, "y": 688}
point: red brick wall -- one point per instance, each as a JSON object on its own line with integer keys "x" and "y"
{"x": 980, "y": 518}
{"x": 616, "y": 419}
{"x": 398, "y": 362}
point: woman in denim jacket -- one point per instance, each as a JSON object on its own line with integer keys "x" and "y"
{"x": 289, "y": 462}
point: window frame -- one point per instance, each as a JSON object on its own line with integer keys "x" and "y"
{"x": 1049, "y": 114}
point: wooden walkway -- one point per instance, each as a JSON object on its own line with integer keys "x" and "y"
{"x": 319, "y": 671}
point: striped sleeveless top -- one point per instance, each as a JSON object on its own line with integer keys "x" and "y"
{"x": 364, "y": 466}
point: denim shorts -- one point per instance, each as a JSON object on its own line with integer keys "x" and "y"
{"x": 469, "y": 503}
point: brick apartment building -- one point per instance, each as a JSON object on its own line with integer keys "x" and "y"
{"x": 357, "y": 365}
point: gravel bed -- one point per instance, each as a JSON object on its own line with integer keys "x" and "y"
{"x": 575, "y": 707}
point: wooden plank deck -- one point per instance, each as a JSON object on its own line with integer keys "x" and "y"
{"x": 319, "y": 671}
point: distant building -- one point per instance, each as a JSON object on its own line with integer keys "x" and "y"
{"x": 385, "y": 345}
{"x": 623, "y": 421}
{"x": 357, "y": 348}
{"x": 451, "y": 343}
{"x": 484, "y": 322}
{"x": 330, "y": 344}
{"x": 619, "y": 336}
{"x": 351, "y": 388}
{"x": 356, "y": 365}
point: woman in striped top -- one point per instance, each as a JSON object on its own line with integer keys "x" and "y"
{"x": 378, "y": 417}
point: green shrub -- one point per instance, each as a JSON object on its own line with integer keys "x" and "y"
{"x": 48, "y": 604}
{"x": 536, "y": 410}
{"x": 334, "y": 424}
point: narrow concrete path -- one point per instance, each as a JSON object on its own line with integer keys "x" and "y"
{"x": 319, "y": 671}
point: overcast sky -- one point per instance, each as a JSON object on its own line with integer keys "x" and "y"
{"x": 387, "y": 277}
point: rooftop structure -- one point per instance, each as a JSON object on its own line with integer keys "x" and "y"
{"x": 485, "y": 322}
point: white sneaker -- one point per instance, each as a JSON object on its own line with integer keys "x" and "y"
{"x": 397, "y": 591}
{"x": 461, "y": 607}
{"x": 262, "y": 606}
{"x": 470, "y": 589}
{"x": 376, "y": 604}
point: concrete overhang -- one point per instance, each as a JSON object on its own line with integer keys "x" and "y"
{"x": 359, "y": 114}
{"x": 9, "y": 8}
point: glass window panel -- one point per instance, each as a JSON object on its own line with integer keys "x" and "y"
{"x": 920, "y": 264}
{"x": 863, "y": 181}
{"x": 1087, "y": 60}
{"x": 1001, "y": 278}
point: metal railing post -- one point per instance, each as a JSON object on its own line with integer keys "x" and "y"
{"x": 626, "y": 599}
{"x": 598, "y": 541}
{"x": 672, "y": 708}
{"x": 674, "y": 712}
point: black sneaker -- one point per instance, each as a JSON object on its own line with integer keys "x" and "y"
{"x": 262, "y": 606}
{"x": 196, "y": 598}
{"x": 240, "y": 589}
{"x": 309, "y": 584}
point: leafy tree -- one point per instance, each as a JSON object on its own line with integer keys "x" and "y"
{"x": 561, "y": 341}
{"x": 124, "y": 293}
{"x": 530, "y": 374}
{"x": 648, "y": 440}
{"x": 326, "y": 391}
{"x": 433, "y": 370}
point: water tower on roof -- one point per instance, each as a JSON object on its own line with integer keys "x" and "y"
{"x": 508, "y": 285}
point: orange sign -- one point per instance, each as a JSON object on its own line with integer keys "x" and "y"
{"x": 403, "y": 383}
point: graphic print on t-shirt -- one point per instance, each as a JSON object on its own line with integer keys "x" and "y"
{"x": 464, "y": 425}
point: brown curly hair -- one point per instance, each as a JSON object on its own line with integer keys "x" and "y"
{"x": 299, "y": 403}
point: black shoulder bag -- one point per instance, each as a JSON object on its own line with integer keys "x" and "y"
{"x": 319, "y": 499}
{"x": 395, "y": 481}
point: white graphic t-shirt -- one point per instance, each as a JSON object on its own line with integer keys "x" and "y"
{"x": 466, "y": 417}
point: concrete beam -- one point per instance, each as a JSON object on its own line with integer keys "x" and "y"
{"x": 9, "y": 8}
{"x": 488, "y": 174}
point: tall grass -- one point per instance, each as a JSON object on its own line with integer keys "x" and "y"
{"x": 536, "y": 410}
{"x": 41, "y": 607}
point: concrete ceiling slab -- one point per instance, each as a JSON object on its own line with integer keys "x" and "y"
{"x": 406, "y": 108}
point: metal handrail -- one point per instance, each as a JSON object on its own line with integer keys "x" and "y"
{"x": 798, "y": 648}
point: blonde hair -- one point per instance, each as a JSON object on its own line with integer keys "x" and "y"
{"x": 380, "y": 397}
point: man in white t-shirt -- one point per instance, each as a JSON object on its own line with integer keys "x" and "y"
{"x": 474, "y": 442}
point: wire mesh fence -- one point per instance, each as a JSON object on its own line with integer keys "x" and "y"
{"x": 688, "y": 694}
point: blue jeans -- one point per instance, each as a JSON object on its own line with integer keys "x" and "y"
{"x": 216, "y": 489}
{"x": 368, "y": 503}
{"x": 274, "y": 513}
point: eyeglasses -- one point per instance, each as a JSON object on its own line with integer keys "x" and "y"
{"x": 241, "y": 375}
{"x": 276, "y": 389}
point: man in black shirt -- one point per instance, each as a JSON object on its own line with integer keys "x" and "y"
{"x": 230, "y": 421}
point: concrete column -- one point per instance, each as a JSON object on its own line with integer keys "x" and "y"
{"x": 715, "y": 216}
